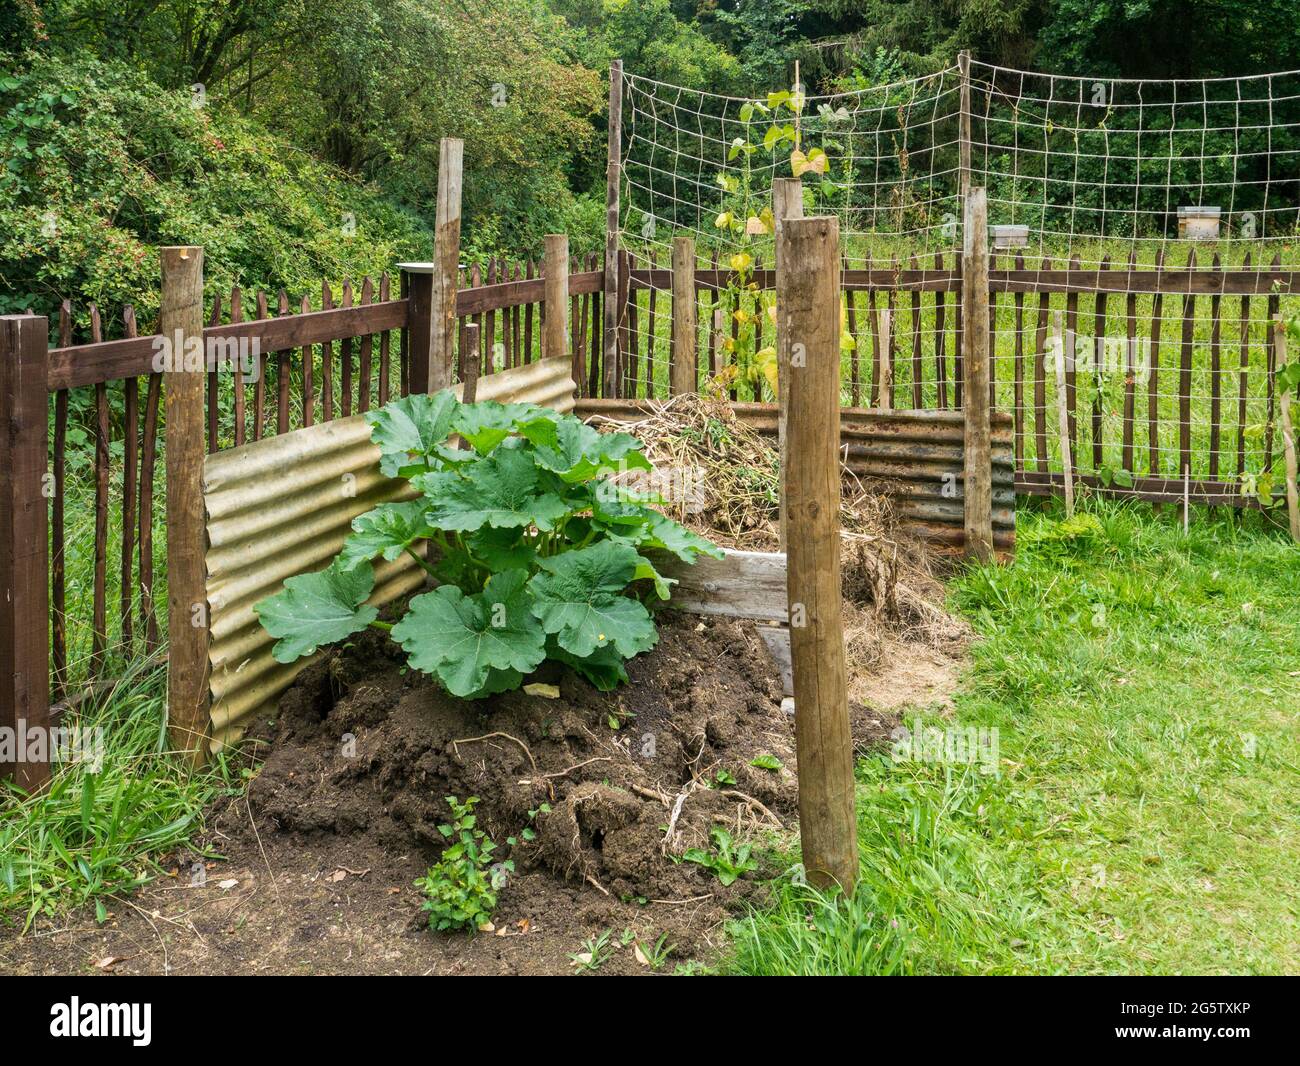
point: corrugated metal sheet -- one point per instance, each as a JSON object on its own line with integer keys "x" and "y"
{"x": 909, "y": 454}
{"x": 283, "y": 506}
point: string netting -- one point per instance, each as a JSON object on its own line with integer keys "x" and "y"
{"x": 1095, "y": 186}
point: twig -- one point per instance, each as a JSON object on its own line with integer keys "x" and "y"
{"x": 488, "y": 736}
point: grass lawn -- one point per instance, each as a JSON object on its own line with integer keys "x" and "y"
{"x": 1145, "y": 689}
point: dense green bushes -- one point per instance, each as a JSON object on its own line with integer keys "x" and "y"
{"x": 99, "y": 166}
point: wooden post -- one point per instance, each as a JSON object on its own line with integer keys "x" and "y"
{"x": 684, "y": 370}
{"x": 555, "y": 325}
{"x": 887, "y": 364}
{"x": 24, "y": 550}
{"x": 613, "y": 171}
{"x": 469, "y": 365}
{"x": 1063, "y": 411}
{"x": 787, "y": 202}
{"x": 446, "y": 254}
{"x": 417, "y": 281}
{"x": 180, "y": 321}
{"x": 963, "y": 128}
{"x": 808, "y": 306}
{"x": 978, "y": 475}
{"x": 1288, "y": 435}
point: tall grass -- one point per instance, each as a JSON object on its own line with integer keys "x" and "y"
{"x": 1145, "y": 686}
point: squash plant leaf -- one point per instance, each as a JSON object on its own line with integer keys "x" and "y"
{"x": 603, "y": 668}
{"x": 578, "y": 597}
{"x": 316, "y": 609}
{"x": 471, "y": 643}
{"x": 411, "y": 429}
{"x": 580, "y": 452}
{"x": 387, "y": 530}
{"x": 503, "y": 491}
{"x": 486, "y": 424}
{"x": 662, "y": 532}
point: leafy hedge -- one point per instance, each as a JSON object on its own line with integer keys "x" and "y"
{"x": 99, "y": 166}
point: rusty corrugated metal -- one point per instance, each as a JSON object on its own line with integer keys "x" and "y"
{"x": 282, "y": 506}
{"x": 908, "y": 453}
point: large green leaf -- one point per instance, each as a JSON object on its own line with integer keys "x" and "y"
{"x": 662, "y": 532}
{"x": 487, "y": 423}
{"x": 603, "y": 668}
{"x": 503, "y": 491}
{"x": 387, "y": 530}
{"x": 474, "y": 644}
{"x": 579, "y": 598}
{"x": 316, "y": 609}
{"x": 412, "y": 428}
{"x": 580, "y": 452}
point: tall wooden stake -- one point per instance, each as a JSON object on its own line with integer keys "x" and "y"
{"x": 787, "y": 202}
{"x": 555, "y": 326}
{"x": 808, "y": 308}
{"x": 963, "y": 127}
{"x": 613, "y": 305}
{"x": 24, "y": 550}
{"x": 978, "y": 476}
{"x": 1288, "y": 434}
{"x": 446, "y": 255}
{"x": 683, "y": 373}
{"x": 1063, "y": 411}
{"x": 180, "y": 321}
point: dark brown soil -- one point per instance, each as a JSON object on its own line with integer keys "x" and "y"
{"x": 317, "y": 862}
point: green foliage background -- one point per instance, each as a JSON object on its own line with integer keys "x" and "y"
{"x": 316, "y": 116}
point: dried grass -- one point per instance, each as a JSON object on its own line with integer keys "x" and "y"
{"x": 723, "y": 482}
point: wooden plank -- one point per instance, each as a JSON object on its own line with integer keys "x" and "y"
{"x": 214, "y": 389}
{"x": 917, "y": 373}
{"x": 148, "y": 463}
{"x": 345, "y": 357}
{"x": 977, "y": 488}
{"x": 940, "y": 339}
{"x": 742, "y": 584}
{"x": 419, "y": 334}
{"x": 1130, "y": 375}
{"x": 385, "y": 346}
{"x": 24, "y": 559}
{"x": 809, "y": 302}
{"x": 683, "y": 372}
{"x": 1098, "y": 371}
{"x": 651, "y": 314}
{"x": 1040, "y": 380}
{"x": 555, "y": 323}
{"x": 1242, "y": 382}
{"x": 130, "y": 474}
{"x": 364, "y": 368}
{"x": 259, "y": 386}
{"x": 787, "y": 203}
{"x": 187, "y": 610}
{"x": 1153, "y": 379}
{"x": 282, "y": 375}
{"x": 1063, "y": 412}
{"x": 58, "y": 573}
{"x": 1216, "y": 385}
{"x": 99, "y": 596}
{"x": 777, "y": 641}
{"x": 309, "y": 374}
{"x": 613, "y": 284}
{"x": 1185, "y": 384}
{"x": 1288, "y": 440}
{"x": 446, "y": 254}
{"x": 1018, "y": 371}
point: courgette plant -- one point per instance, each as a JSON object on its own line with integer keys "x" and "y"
{"x": 537, "y": 553}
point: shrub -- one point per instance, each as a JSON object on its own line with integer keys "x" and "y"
{"x": 533, "y": 545}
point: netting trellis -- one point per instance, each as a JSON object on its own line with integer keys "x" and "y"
{"x": 1100, "y": 194}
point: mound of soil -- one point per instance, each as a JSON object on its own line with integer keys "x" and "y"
{"x": 313, "y": 869}
{"x": 365, "y": 747}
